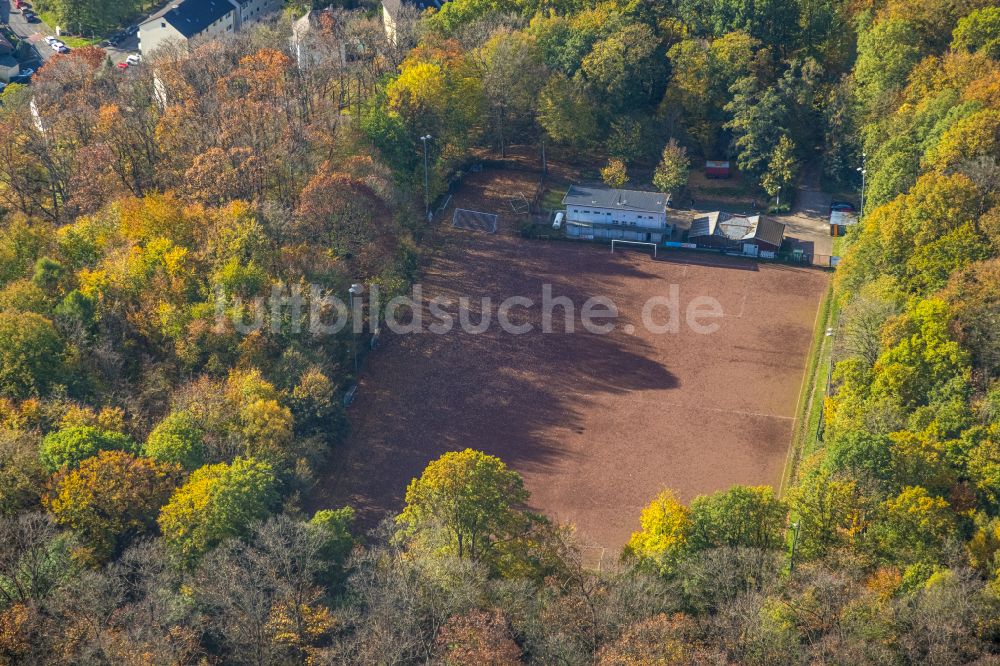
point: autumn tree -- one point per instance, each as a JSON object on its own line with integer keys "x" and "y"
{"x": 663, "y": 539}
{"x": 111, "y": 498}
{"x": 463, "y": 503}
{"x": 672, "y": 172}
{"x": 615, "y": 174}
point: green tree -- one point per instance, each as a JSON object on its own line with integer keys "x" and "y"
{"x": 666, "y": 527}
{"x": 70, "y": 446}
{"x": 111, "y": 498}
{"x": 178, "y": 439}
{"x": 887, "y": 52}
{"x": 830, "y": 510}
{"x": 30, "y": 354}
{"x": 565, "y": 112}
{"x": 470, "y": 497}
{"x": 925, "y": 359}
{"x": 672, "y": 172}
{"x": 782, "y": 169}
{"x": 748, "y": 516}
{"x": 758, "y": 117}
{"x": 626, "y": 69}
{"x": 979, "y": 31}
{"x": 217, "y": 502}
{"x": 333, "y": 530}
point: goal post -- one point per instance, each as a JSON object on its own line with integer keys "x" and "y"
{"x": 631, "y": 242}
{"x": 474, "y": 220}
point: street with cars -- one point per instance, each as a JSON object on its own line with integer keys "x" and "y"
{"x": 22, "y": 20}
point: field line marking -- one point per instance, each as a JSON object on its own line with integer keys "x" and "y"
{"x": 668, "y": 403}
{"x": 743, "y": 304}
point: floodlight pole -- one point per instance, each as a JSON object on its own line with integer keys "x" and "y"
{"x": 795, "y": 540}
{"x": 863, "y": 169}
{"x": 427, "y": 194}
{"x": 355, "y": 291}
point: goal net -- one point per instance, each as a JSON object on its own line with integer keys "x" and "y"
{"x": 474, "y": 220}
{"x": 628, "y": 243}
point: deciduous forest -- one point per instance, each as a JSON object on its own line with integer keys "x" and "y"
{"x": 155, "y": 461}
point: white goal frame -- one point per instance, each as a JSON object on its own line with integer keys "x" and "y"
{"x": 632, "y": 242}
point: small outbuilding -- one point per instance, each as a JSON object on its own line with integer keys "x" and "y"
{"x": 717, "y": 169}
{"x": 840, "y": 220}
{"x": 753, "y": 235}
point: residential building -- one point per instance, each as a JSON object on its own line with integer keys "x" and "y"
{"x": 601, "y": 212}
{"x": 753, "y": 235}
{"x": 187, "y": 21}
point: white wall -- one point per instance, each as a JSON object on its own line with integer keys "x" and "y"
{"x": 614, "y": 216}
{"x": 256, "y": 11}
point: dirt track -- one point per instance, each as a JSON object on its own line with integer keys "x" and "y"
{"x": 597, "y": 424}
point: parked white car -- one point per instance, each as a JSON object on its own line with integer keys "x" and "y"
{"x": 56, "y": 44}
{"x": 50, "y": 40}
{"x": 133, "y": 59}
{"x": 62, "y": 48}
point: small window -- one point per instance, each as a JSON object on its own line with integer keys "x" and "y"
{"x": 162, "y": 24}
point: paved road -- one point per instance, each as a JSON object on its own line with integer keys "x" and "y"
{"x": 808, "y": 225}
{"x": 34, "y": 33}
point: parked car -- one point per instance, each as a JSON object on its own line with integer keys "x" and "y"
{"x": 62, "y": 48}
{"x": 841, "y": 205}
{"x": 122, "y": 66}
{"x": 30, "y": 16}
{"x": 56, "y": 45}
{"x": 133, "y": 59}
{"x": 50, "y": 40}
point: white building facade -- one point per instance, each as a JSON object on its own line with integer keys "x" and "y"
{"x": 189, "y": 21}
{"x": 605, "y": 213}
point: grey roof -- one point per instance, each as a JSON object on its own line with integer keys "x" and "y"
{"x": 8, "y": 61}
{"x": 769, "y": 231}
{"x": 843, "y": 218}
{"x": 738, "y": 227}
{"x": 605, "y": 197}
{"x": 393, "y": 6}
{"x": 190, "y": 17}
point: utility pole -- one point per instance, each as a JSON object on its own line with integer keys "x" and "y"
{"x": 355, "y": 291}
{"x": 795, "y": 541}
{"x": 427, "y": 193}
{"x": 863, "y": 169}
